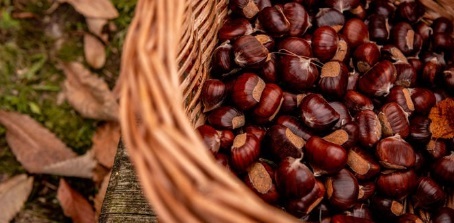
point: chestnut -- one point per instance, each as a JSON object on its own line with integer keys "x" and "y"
{"x": 333, "y": 79}
{"x": 366, "y": 190}
{"x": 378, "y": 28}
{"x": 317, "y": 114}
{"x": 360, "y": 210}
{"x": 406, "y": 75}
{"x": 222, "y": 60}
{"x": 295, "y": 45}
{"x": 442, "y": 42}
{"x": 291, "y": 102}
{"x": 273, "y": 20}
{"x": 409, "y": 218}
{"x": 419, "y": 130}
{"x": 383, "y": 8}
{"x": 234, "y": 28}
{"x": 247, "y": 91}
{"x": 358, "y": 12}
{"x": 330, "y": 17}
{"x": 397, "y": 184}
{"x": 355, "y": 32}
{"x": 348, "y": 219}
{"x": 387, "y": 209}
{"x": 442, "y": 25}
{"x": 343, "y": 51}
{"x": 429, "y": 73}
{"x": 410, "y": 11}
{"x": 344, "y": 114}
{"x": 303, "y": 206}
{"x": 392, "y": 53}
{"x": 244, "y": 151}
{"x": 283, "y": 142}
{"x": 293, "y": 178}
{"x": 402, "y": 97}
{"x": 295, "y": 126}
{"x": 226, "y": 138}
{"x": 298, "y": 18}
{"x": 249, "y": 52}
{"x": 404, "y": 37}
{"x": 378, "y": 80}
{"x": 436, "y": 148}
{"x": 366, "y": 56}
{"x": 423, "y": 100}
{"x": 443, "y": 170}
{"x": 346, "y": 137}
{"x": 395, "y": 153}
{"x": 268, "y": 72}
{"x": 342, "y": 189}
{"x": 444, "y": 214}
{"x": 325, "y": 157}
{"x": 270, "y": 102}
{"x": 342, "y": 5}
{"x": 266, "y": 40}
{"x": 370, "y": 129}
{"x": 298, "y": 73}
{"x": 260, "y": 179}
{"x": 428, "y": 194}
{"x": 213, "y": 94}
{"x": 353, "y": 78}
{"x": 210, "y": 137}
{"x": 394, "y": 120}
{"x": 324, "y": 43}
{"x": 245, "y": 8}
{"x": 362, "y": 164}
{"x": 226, "y": 117}
{"x": 222, "y": 160}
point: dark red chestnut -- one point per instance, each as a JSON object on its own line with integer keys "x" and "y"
{"x": 419, "y": 130}
{"x": 324, "y": 43}
{"x": 283, "y": 142}
{"x": 266, "y": 40}
{"x": 436, "y": 148}
{"x": 293, "y": 178}
{"x": 295, "y": 45}
{"x": 442, "y": 25}
{"x": 443, "y": 170}
{"x": 429, "y": 72}
{"x": 397, "y": 184}
{"x": 247, "y": 91}
{"x": 222, "y": 160}
{"x": 394, "y": 120}
{"x": 387, "y": 209}
{"x": 410, "y": 11}
{"x": 213, "y": 94}
{"x": 342, "y": 5}
{"x": 260, "y": 179}
{"x": 378, "y": 80}
{"x": 317, "y": 113}
{"x": 370, "y": 130}
{"x": 409, "y": 218}
{"x": 210, "y": 137}
{"x": 295, "y": 126}
{"x": 343, "y": 51}
{"x": 402, "y": 97}
{"x": 291, "y": 101}
{"x": 245, "y": 8}
{"x": 366, "y": 190}
{"x": 353, "y": 78}
{"x": 423, "y": 100}
{"x": 366, "y": 56}
{"x": 325, "y": 157}
{"x": 442, "y": 42}
{"x": 404, "y": 37}
{"x": 268, "y": 72}
{"x": 355, "y": 32}
{"x": 226, "y": 137}
{"x": 406, "y": 75}
{"x": 270, "y": 102}
{"x": 443, "y": 215}
{"x": 298, "y": 18}
{"x": 298, "y": 73}
{"x": 378, "y": 28}
{"x": 249, "y": 52}
{"x": 342, "y": 189}
{"x": 330, "y": 17}
{"x": 245, "y": 151}
{"x": 394, "y": 153}
{"x": 344, "y": 114}
{"x": 226, "y": 117}
{"x": 234, "y": 28}
{"x": 333, "y": 79}
{"x": 362, "y": 164}
{"x": 383, "y": 8}
{"x": 304, "y": 205}
{"x": 273, "y": 20}
{"x": 428, "y": 194}
{"x": 392, "y": 53}
{"x": 222, "y": 60}
{"x": 357, "y": 102}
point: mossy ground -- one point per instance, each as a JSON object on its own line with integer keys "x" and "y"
{"x": 30, "y": 81}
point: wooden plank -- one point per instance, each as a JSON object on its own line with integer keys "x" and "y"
{"x": 124, "y": 201}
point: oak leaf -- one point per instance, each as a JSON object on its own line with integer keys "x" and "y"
{"x": 13, "y": 194}
{"x": 99, "y": 198}
{"x": 94, "y": 51}
{"x": 89, "y": 94}
{"x": 96, "y": 26}
{"x": 74, "y": 205}
{"x": 105, "y": 143}
{"x": 94, "y": 8}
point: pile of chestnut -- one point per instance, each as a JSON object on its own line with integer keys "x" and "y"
{"x": 322, "y": 108}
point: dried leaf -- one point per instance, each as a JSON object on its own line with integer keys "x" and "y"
{"x": 105, "y": 143}
{"x": 13, "y": 194}
{"x": 94, "y": 51}
{"x": 99, "y": 198}
{"x": 96, "y": 26}
{"x": 89, "y": 94}
{"x": 442, "y": 116}
{"x": 74, "y": 204}
{"x": 94, "y": 8}
{"x": 81, "y": 166}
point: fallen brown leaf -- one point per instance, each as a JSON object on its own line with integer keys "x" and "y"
{"x": 442, "y": 117}
{"x": 89, "y": 94}
{"x": 74, "y": 204}
{"x": 13, "y": 194}
{"x": 40, "y": 151}
{"x": 105, "y": 143}
{"x": 94, "y": 9}
{"x": 94, "y": 51}
{"x": 96, "y": 26}
{"x": 99, "y": 198}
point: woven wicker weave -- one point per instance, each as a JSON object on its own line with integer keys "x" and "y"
{"x": 165, "y": 62}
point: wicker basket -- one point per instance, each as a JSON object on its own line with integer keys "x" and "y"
{"x": 165, "y": 62}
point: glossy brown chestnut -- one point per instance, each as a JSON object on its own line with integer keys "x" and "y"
{"x": 397, "y": 184}
{"x": 283, "y": 142}
{"x": 378, "y": 28}
{"x": 257, "y": 131}
{"x": 443, "y": 170}
{"x": 410, "y": 11}
{"x": 342, "y": 189}
{"x": 260, "y": 179}
{"x": 430, "y": 72}
{"x": 424, "y": 31}
{"x": 442, "y": 42}
{"x": 370, "y": 130}
{"x": 366, "y": 56}
{"x": 249, "y": 52}
{"x": 393, "y": 120}
{"x": 333, "y": 79}
{"x": 324, "y": 43}
{"x": 247, "y": 91}
{"x": 304, "y": 205}
{"x": 355, "y": 32}
{"x": 210, "y": 137}
{"x": 416, "y": 64}
{"x": 298, "y": 18}
{"x": 295, "y": 126}
{"x": 353, "y": 78}
{"x": 342, "y": 5}
{"x": 245, "y": 8}
{"x": 392, "y": 53}
{"x": 395, "y": 153}
{"x": 366, "y": 190}
{"x": 273, "y": 20}
{"x": 402, "y": 97}
{"x": 295, "y": 45}
{"x": 268, "y": 72}
{"x": 244, "y": 151}
{"x": 348, "y": 219}
{"x": 404, "y": 37}
{"x": 428, "y": 194}
{"x": 383, "y": 8}
{"x": 222, "y": 60}
{"x": 317, "y": 114}
{"x": 362, "y": 164}
{"x": 226, "y": 117}
{"x": 437, "y": 148}
{"x": 344, "y": 114}
{"x": 378, "y": 80}
{"x": 409, "y": 218}
{"x": 266, "y": 40}
{"x": 442, "y": 215}
{"x": 419, "y": 130}
{"x": 226, "y": 137}
{"x": 387, "y": 209}
{"x": 442, "y": 25}
{"x": 293, "y": 178}
{"x": 325, "y": 157}
{"x": 234, "y": 28}
{"x": 270, "y": 102}
{"x": 213, "y": 94}
{"x": 343, "y": 51}
{"x": 406, "y": 75}
{"x": 291, "y": 102}
{"x": 423, "y": 100}
{"x": 298, "y": 73}
{"x": 330, "y": 17}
